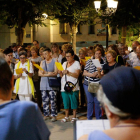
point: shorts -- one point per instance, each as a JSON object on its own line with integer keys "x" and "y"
{"x": 70, "y": 98}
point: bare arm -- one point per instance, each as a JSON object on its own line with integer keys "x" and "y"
{"x": 29, "y": 74}
{"x": 47, "y": 74}
{"x": 86, "y": 73}
{"x": 75, "y": 74}
{"x": 17, "y": 76}
{"x": 84, "y": 137}
{"x": 100, "y": 74}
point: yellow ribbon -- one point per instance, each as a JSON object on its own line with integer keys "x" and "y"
{"x": 29, "y": 78}
{"x": 117, "y": 58}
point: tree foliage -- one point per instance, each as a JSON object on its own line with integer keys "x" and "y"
{"x": 17, "y": 13}
{"x": 79, "y": 11}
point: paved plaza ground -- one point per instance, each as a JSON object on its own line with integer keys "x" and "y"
{"x": 64, "y": 131}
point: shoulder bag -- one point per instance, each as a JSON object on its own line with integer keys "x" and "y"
{"x": 92, "y": 87}
{"x": 69, "y": 86}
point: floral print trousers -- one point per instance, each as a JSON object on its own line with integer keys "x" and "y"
{"x": 49, "y": 97}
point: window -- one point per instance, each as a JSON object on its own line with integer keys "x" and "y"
{"x": 62, "y": 28}
{"x": 114, "y": 30}
{"x": 79, "y": 29}
{"x": 91, "y": 28}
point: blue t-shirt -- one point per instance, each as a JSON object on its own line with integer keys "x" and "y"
{"x": 20, "y": 120}
{"x": 98, "y": 135}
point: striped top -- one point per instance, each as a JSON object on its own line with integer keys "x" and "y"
{"x": 91, "y": 69}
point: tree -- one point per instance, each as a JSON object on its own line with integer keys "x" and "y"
{"x": 78, "y": 12}
{"x": 127, "y": 16}
{"x": 17, "y": 13}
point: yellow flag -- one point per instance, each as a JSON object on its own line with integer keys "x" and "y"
{"x": 37, "y": 66}
{"x": 59, "y": 66}
{"x": 19, "y": 71}
{"x": 83, "y": 62}
{"x": 137, "y": 67}
{"x": 87, "y": 58}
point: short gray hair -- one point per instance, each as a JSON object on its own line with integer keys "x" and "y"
{"x": 104, "y": 100}
{"x": 120, "y": 45}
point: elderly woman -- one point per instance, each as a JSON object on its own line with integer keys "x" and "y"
{"x": 36, "y": 79}
{"x": 112, "y": 64}
{"x": 70, "y": 74}
{"x": 119, "y": 58}
{"x": 24, "y": 86}
{"x": 92, "y": 75}
{"x": 49, "y": 92}
{"x": 65, "y": 48}
{"x": 121, "y": 103}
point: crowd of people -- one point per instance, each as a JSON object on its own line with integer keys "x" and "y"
{"x": 49, "y": 86}
{"x": 80, "y": 77}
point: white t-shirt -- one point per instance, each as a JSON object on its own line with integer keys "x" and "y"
{"x": 24, "y": 85}
{"x": 132, "y": 55}
{"x": 75, "y": 66}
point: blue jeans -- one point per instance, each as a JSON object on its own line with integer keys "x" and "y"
{"x": 91, "y": 100}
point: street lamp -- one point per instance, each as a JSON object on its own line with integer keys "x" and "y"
{"x": 111, "y": 9}
{"x": 45, "y": 15}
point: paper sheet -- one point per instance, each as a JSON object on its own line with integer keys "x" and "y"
{"x": 96, "y": 62}
{"x": 59, "y": 66}
{"x": 84, "y": 127}
{"x": 87, "y": 58}
{"x": 19, "y": 71}
{"x": 37, "y": 66}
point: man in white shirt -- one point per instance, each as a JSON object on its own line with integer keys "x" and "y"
{"x": 135, "y": 61}
{"x": 133, "y": 55}
{"x": 15, "y": 53}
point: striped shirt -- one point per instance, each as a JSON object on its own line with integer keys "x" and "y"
{"x": 91, "y": 68}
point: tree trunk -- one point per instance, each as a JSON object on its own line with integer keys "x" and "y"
{"x": 20, "y": 30}
{"x": 20, "y": 35}
{"x": 123, "y": 40}
{"x": 73, "y": 28}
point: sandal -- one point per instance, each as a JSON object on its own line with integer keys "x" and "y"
{"x": 73, "y": 120}
{"x": 53, "y": 119}
{"x": 66, "y": 119}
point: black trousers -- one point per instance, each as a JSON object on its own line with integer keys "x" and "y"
{"x": 82, "y": 92}
{"x": 38, "y": 94}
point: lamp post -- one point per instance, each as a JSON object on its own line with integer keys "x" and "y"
{"x": 111, "y": 9}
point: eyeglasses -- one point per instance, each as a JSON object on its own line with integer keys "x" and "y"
{"x": 10, "y": 55}
{"x": 22, "y": 57}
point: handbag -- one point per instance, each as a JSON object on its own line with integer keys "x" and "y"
{"x": 53, "y": 82}
{"x": 69, "y": 86}
{"x": 92, "y": 87}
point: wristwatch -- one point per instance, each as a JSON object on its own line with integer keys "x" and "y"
{"x": 26, "y": 72}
